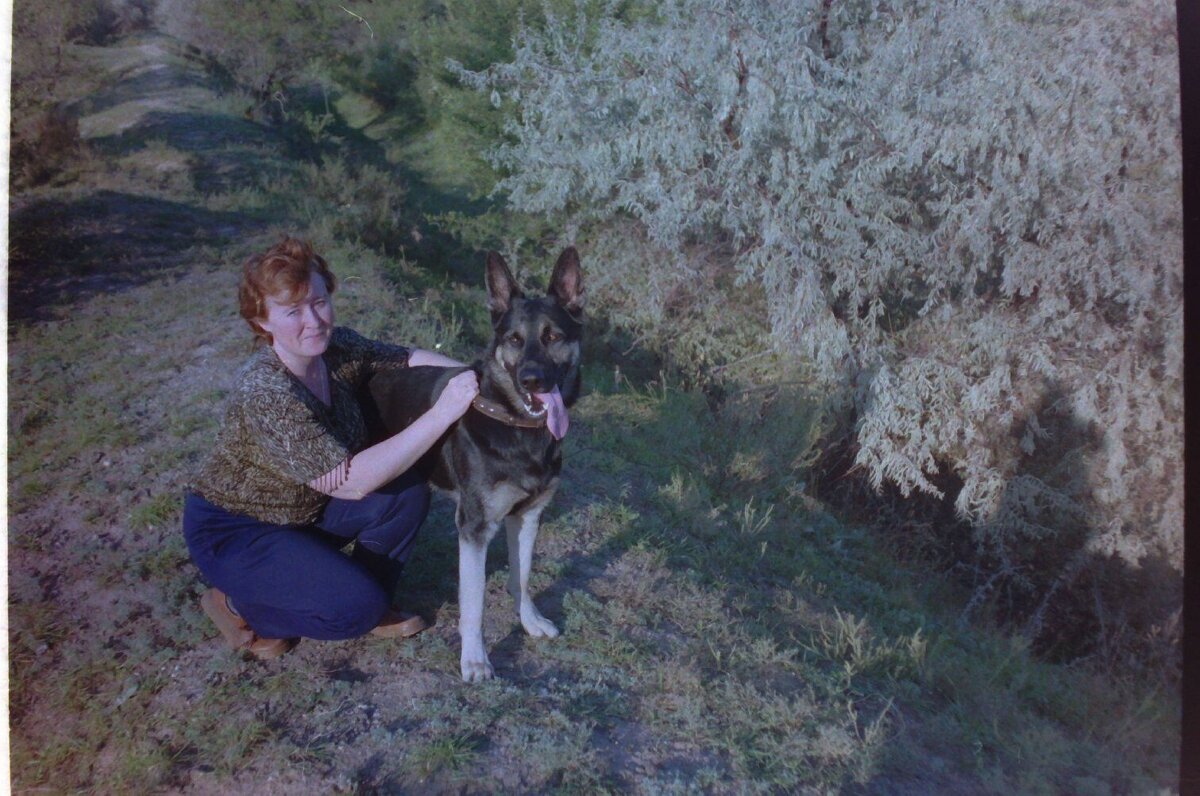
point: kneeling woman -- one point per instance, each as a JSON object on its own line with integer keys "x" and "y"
{"x": 289, "y": 481}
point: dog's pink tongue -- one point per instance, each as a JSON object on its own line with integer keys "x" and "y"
{"x": 556, "y": 413}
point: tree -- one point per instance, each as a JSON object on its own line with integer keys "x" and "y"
{"x": 964, "y": 218}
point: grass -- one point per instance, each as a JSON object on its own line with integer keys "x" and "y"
{"x": 723, "y": 631}
{"x": 446, "y": 754}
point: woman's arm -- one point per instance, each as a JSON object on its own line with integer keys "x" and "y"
{"x": 377, "y": 465}
{"x": 420, "y": 356}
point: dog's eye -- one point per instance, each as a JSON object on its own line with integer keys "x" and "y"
{"x": 552, "y": 336}
{"x": 514, "y": 338}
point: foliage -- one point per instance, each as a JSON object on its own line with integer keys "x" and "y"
{"x": 362, "y": 202}
{"x": 265, "y": 45}
{"x": 389, "y": 58}
{"x": 45, "y": 134}
{"x": 41, "y": 35}
{"x": 43, "y": 137}
{"x": 964, "y": 218}
{"x": 456, "y": 116}
{"x": 449, "y": 35}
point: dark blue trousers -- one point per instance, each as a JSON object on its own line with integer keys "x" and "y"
{"x": 289, "y": 581}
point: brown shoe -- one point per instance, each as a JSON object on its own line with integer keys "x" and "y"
{"x": 399, "y": 624}
{"x": 267, "y": 648}
{"x": 236, "y": 632}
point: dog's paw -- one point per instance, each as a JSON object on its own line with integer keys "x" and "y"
{"x": 474, "y": 660}
{"x": 476, "y": 671}
{"x": 537, "y": 625}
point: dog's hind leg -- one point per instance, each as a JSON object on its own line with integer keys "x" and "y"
{"x": 522, "y": 532}
{"x": 472, "y": 575}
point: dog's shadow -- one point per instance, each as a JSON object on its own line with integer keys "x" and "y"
{"x": 430, "y": 580}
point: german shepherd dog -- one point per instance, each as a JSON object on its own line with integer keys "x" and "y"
{"x": 501, "y": 461}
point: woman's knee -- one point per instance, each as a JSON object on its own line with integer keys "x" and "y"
{"x": 351, "y": 613}
{"x": 411, "y": 500}
{"x": 333, "y": 610}
{"x": 398, "y": 521}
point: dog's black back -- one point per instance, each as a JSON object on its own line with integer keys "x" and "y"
{"x": 535, "y": 347}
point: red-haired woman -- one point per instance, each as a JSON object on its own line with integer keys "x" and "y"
{"x": 290, "y": 479}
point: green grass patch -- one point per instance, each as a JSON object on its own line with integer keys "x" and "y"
{"x": 158, "y": 511}
{"x": 448, "y": 754}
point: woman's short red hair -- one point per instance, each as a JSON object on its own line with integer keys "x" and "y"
{"x": 282, "y": 271}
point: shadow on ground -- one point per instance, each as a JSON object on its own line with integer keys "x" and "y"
{"x": 105, "y": 242}
{"x": 69, "y": 245}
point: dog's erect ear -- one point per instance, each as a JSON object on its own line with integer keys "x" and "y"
{"x": 502, "y": 288}
{"x": 566, "y": 284}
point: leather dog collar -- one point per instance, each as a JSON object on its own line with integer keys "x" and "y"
{"x": 499, "y": 412}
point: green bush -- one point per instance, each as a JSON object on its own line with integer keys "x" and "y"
{"x": 961, "y": 275}
{"x": 361, "y": 202}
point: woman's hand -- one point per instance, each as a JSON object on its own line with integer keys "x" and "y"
{"x": 456, "y": 397}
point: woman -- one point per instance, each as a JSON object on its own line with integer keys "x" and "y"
{"x": 290, "y": 480}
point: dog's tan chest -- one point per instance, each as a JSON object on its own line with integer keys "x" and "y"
{"x": 507, "y": 498}
{"x": 499, "y": 501}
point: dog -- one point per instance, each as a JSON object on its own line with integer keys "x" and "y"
{"x": 501, "y": 461}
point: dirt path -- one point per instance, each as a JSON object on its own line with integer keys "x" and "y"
{"x": 156, "y": 151}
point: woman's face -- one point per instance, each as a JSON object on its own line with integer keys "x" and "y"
{"x": 300, "y": 328}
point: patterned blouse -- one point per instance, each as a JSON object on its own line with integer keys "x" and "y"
{"x": 278, "y": 436}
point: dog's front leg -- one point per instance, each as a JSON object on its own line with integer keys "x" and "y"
{"x": 522, "y": 533}
{"x": 472, "y": 561}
